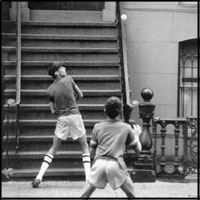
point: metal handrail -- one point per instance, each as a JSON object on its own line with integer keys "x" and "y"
{"x": 18, "y": 49}
{"x": 11, "y": 102}
{"x": 18, "y": 81}
{"x": 126, "y": 81}
{"x": 18, "y": 73}
{"x": 128, "y": 107}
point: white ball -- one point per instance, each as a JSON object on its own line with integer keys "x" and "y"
{"x": 124, "y": 17}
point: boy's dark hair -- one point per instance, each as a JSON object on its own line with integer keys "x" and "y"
{"x": 113, "y": 107}
{"x": 54, "y": 66}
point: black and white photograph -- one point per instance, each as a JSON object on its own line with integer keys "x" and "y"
{"x": 99, "y": 100}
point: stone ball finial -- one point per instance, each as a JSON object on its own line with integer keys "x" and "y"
{"x": 147, "y": 94}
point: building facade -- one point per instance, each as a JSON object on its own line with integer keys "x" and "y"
{"x": 156, "y": 32}
{"x": 161, "y": 46}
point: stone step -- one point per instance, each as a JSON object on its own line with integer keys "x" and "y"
{"x": 75, "y": 77}
{"x": 42, "y": 143}
{"x": 66, "y": 159}
{"x": 33, "y": 143}
{"x": 82, "y": 107}
{"x": 45, "y": 129}
{"x": 33, "y": 130}
{"x": 94, "y": 38}
{"x": 73, "y": 68}
{"x": 42, "y": 111}
{"x": 98, "y": 82}
{"x": 85, "y": 92}
{"x": 70, "y": 41}
{"x": 75, "y": 54}
{"x": 40, "y": 154}
{"x": 67, "y": 174}
{"x": 61, "y": 50}
{"x": 33, "y": 159}
{"x": 61, "y": 28}
{"x": 46, "y": 123}
{"x": 68, "y": 6}
{"x": 66, "y": 15}
{"x": 40, "y": 96}
{"x": 91, "y": 58}
{"x": 70, "y": 174}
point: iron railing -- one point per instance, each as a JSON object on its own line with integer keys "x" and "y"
{"x": 128, "y": 107}
{"x": 182, "y": 163}
{"x": 192, "y": 144}
{"x": 15, "y": 103}
{"x": 188, "y": 78}
{"x": 7, "y": 172}
{"x": 18, "y": 73}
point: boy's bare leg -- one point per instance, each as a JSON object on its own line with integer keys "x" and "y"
{"x": 55, "y": 146}
{"x": 47, "y": 161}
{"x": 128, "y": 188}
{"x": 84, "y": 145}
{"x": 88, "y": 191}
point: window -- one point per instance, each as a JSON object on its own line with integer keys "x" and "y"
{"x": 188, "y": 81}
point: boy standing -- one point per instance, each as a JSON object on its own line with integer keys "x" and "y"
{"x": 109, "y": 140}
{"x": 62, "y": 94}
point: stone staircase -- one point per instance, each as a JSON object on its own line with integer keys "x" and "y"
{"x": 90, "y": 53}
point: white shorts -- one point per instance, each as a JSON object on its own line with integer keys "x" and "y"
{"x": 106, "y": 171}
{"x": 70, "y": 125}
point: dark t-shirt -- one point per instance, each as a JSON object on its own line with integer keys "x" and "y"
{"x": 110, "y": 137}
{"x": 61, "y": 93}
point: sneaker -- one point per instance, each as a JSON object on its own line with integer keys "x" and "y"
{"x": 35, "y": 183}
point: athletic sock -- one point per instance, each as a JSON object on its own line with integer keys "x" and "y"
{"x": 86, "y": 164}
{"x": 47, "y": 161}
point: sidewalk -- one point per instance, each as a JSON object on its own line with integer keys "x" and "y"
{"x": 71, "y": 189}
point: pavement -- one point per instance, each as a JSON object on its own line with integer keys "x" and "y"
{"x": 187, "y": 188}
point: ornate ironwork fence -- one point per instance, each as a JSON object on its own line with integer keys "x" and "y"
{"x": 192, "y": 144}
{"x": 181, "y": 164}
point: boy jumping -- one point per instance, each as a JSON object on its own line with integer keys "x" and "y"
{"x": 62, "y": 94}
{"x": 108, "y": 142}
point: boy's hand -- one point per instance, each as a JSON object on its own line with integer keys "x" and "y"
{"x": 52, "y": 107}
{"x": 53, "y": 112}
{"x": 78, "y": 93}
{"x": 137, "y": 130}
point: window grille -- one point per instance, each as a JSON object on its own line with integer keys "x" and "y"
{"x": 188, "y": 97}
{"x": 188, "y": 81}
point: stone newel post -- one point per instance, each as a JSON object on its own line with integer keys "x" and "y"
{"x": 146, "y": 110}
{"x": 144, "y": 167}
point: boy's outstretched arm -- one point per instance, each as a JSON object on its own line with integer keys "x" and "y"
{"x": 138, "y": 131}
{"x": 137, "y": 144}
{"x": 93, "y": 147}
{"x": 78, "y": 92}
{"x": 138, "y": 147}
